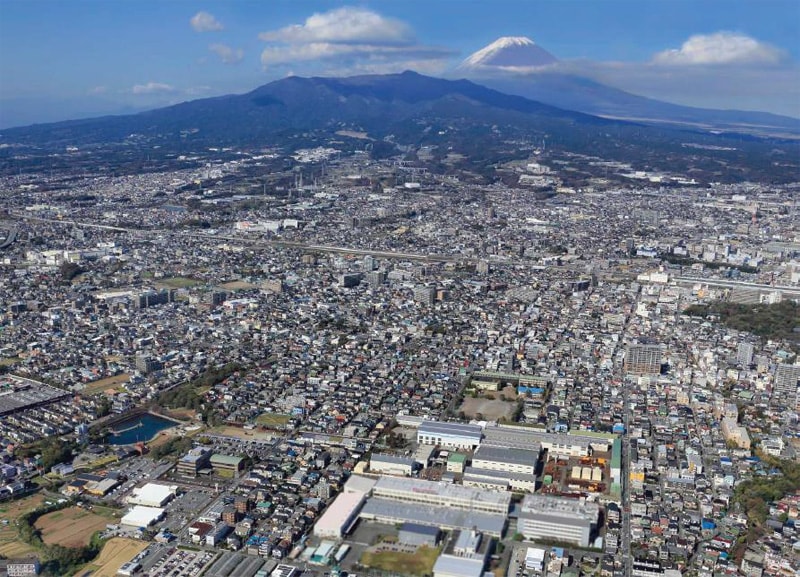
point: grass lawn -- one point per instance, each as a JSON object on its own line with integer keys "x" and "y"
{"x": 273, "y": 420}
{"x": 110, "y": 512}
{"x": 179, "y": 282}
{"x": 8, "y": 361}
{"x": 419, "y": 563}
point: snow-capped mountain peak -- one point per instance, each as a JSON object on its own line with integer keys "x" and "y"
{"x": 510, "y": 52}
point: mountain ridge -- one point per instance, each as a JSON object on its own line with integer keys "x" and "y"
{"x": 552, "y": 86}
{"x": 399, "y": 113}
{"x": 301, "y": 103}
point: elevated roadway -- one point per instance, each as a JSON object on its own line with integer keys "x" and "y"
{"x": 790, "y": 291}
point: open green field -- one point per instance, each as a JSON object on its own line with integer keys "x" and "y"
{"x": 8, "y": 361}
{"x": 178, "y": 282}
{"x": 418, "y": 563}
{"x": 273, "y": 420}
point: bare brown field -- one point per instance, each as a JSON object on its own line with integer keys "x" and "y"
{"x": 491, "y": 409}
{"x": 71, "y": 527}
{"x": 10, "y": 545}
{"x": 183, "y": 415}
{"x": 160, "y": 439}
{"x": 237, "y": 285}
{"x": 101, "y": 385}
{"x": 116, "y": 552}
{"x": 178, "y": 282}
{"x": 241, "y": 433}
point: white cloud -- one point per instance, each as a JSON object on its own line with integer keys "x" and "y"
{"x": 720, "y": 48}
{"x": 227, "y": 54}
{"x": 95, "y": 90}
{"x": 388, "y": 66}
{"x": 205, "y": 22}
{"x": 152, "y": 88}
{"x": 347, "y": 25}
{"x": 279, "y": 55}
{"x": 350, "y": 40}
{"x": 198, "y": 90}
{"x": 774, "y": 88}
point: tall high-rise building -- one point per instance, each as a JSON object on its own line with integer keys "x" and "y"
{"x": 146, "y": 364}
{"x": 643, "y": 359}
{"x": 369, "y": 263}
{"x": 787, "y": 380}
{"x": 744, "y": 354}
{"x": 152, "y": 298}
{"x": 424, "y": 295}
{"x": 349, "y": 280}
{"x": 376, "y": 278}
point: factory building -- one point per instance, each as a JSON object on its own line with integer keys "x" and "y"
{"x": 454, "y": 435}
{"x": 441, "y": 495}
{"x": 498, "y": 480}
{"x": 152, "y": 495}
{"x": 505, "y": 459}
{"x": 391, "y": 465}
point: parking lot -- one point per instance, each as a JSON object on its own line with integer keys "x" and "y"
{"x": 168, "y": 561}
{"x": 137, "y": 472}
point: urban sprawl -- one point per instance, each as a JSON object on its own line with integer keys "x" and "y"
{"x": 364, "y": 368}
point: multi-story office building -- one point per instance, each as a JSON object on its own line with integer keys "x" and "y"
{"x": 146, "y": 364}
{"x": 787, "y": 380}
{"x": 568, "y": 520}
{"x": 744, "y": 354}
{"x": 425, "y": 295}
{"x": 193, "y": 461}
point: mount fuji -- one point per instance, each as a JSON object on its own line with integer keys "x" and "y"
{"x": 509, "y": 53}
{"x": 519, "y": 66}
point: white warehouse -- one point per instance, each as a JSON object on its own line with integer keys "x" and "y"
{"x": 454, "y": 435}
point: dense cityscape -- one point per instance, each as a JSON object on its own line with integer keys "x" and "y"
{"x": 366, "y": 366}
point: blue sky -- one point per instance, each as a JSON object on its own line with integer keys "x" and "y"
{"x": 64, "y": 59}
